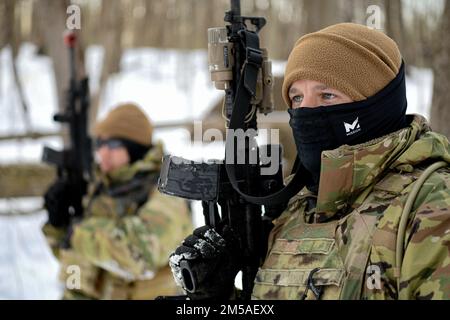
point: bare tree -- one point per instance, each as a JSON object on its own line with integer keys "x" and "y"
{"x": 440, "y": 111}
{"x": 394, "y": 21}
{"x": 36, "y": 35}
{"x": 52, "y": 21}
{"x": 10, "y": 35}
{"x": 6, "y": 22}
{"x": 319, "y": 14}
{"x": 112, "y": 25}
{"x": 112, "y": 21}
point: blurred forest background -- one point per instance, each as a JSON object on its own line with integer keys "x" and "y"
{"x": 420, "y": 27}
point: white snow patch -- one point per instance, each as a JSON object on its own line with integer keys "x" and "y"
{"x": 419, "y": 91}
{"x": 28, "y": 269}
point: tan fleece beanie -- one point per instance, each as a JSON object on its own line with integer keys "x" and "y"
{"x": 126, "y": 121}
{"x": 349, "y": 57}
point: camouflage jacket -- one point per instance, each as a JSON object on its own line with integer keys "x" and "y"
{"x": 129, "y": 229}
{"x": 341, "y": 244}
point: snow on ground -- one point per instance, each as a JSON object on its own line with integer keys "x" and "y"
{"x": 35, "y": 74}
{"x": 171, "y": 86}
{"x": 419, "y": 91}
{"x": 28, "y": 269}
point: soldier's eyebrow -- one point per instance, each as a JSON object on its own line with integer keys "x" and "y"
{"x": 293, "y": 90}
{"x": 322, "y": 87}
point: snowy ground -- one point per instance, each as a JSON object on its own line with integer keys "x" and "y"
{"x": 169, "y": 85}
{"x": 28, "y": 269}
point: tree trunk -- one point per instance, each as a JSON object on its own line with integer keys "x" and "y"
{"x": 36, "y": 35}
{"x": 394, "y": 21}
{"x": 440, "y": 110}
{"x": 111, "y": 39}
{"x": 52, "y": 20}
{"x": 6, "y": 23}
{"x": 112, "y": 23}
{"x": 10, "y": 35}
{"x": 319, "y": 14}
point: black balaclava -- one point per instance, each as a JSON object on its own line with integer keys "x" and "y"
{"x": 135, "y": 150}
{"x": 328, "y": 127}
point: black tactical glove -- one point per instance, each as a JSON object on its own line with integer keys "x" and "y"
{"x": 57, "y": 202}
{"x": 206, "y": 263}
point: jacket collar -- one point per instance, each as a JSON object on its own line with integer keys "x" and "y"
{"x": 348, "y": 171}
{"x": 150, "y": 163}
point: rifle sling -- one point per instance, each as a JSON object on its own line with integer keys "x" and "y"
{"x": 245, "y": 91}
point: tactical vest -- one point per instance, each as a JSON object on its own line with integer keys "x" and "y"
{"x": 327, "y": 260}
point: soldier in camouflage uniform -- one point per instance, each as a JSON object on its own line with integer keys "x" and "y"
{"x": 373, "y": 221}
{"x": 120, "y": 248}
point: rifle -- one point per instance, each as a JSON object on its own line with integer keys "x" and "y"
{"x": 74, "y": 162}
{"x": 241, "y": 186}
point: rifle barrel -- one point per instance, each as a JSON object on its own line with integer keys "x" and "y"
{"x": 236, "y": 7}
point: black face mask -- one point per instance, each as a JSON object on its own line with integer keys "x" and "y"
{"x": 135, "y": 150}
{"x": 328, "y": 127}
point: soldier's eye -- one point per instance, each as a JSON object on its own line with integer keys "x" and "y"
{"x": 328, "y": 96}
{"x": 297, "y": 99}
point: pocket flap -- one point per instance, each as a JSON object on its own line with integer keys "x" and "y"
{"x": 299, "y": 277}
{"x": 394, "y": 183}
{"x": 303, "y": 246}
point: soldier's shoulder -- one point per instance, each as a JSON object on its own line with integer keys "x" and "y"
{"x": 408, "y": 175}
{"x": 438, "y": 182}
{"x": 432, "y": 203}
{"x": 443, "y": 174}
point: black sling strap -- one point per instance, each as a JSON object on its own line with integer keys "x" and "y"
{"x": 245, "y": 91}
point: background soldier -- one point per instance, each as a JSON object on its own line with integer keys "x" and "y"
{"x": 373, "y": 220}
{"x": 128, "y": 230}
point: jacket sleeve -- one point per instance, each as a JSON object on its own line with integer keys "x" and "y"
{"x": 425, "y": 270}
{"x": 135, "y": 245}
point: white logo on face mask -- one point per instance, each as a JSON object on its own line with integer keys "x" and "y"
{"x": 352, "y": 128}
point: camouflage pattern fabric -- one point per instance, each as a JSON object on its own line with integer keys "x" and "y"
{"x": 344, "y": 247}
{"x": 129, "y": 229}
{"x": 54, "y": 237}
